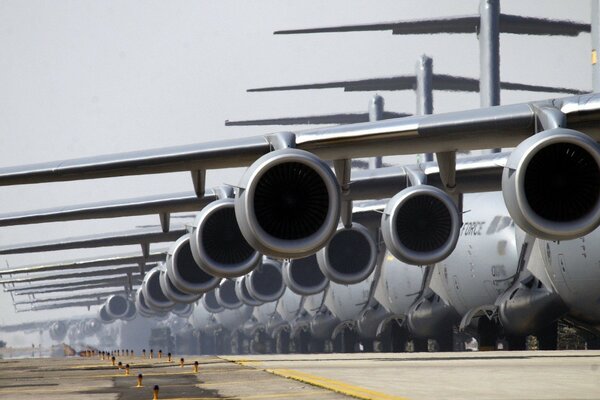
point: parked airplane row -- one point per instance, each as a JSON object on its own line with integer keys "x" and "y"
{"x": 497, "y": 246}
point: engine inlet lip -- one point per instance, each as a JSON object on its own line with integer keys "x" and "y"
{"x": 402, "y": 252}
{"x": 177, "y": 278}
{"x": 280, "y": 248}
{"x": 174, "y": 294}
{"x": 212, "y": 297}
{"x": 200, "y": 253}
{"x": 324, "y": 257}
{"x": 276, "y": 295}
{"x": 154, "y": 274}
{"x": 295, "y": 286}
{"x": 242, "y": 292}
{"x": 553, "y": 230}
{"x": 225, "y": 304}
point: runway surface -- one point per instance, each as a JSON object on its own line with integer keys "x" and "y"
{"x": 484, "y": 375}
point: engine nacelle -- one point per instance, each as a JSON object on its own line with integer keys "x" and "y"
{"x": 350, "y": 256}
{"x": 243, "y": 294}
{"x": 142, "y": 307}
{"x": 420, "y": 225}
{"x": 303, "y": 276}
{"x": 210, "y": 302}
{"x": 265, "y": 283}
{"x": 131, "y": 312}
{"x": 174, "y": 294}
{"x": 183, "y": 310}
{"x": 58, "y": 329}
{"x": 217, "y": 243}
{"x": 117, "y": 306}
{"x": 153, "y": 293}
{"x": 184, "y": 272}
{"x": 551, "y": 184}
{"x": 103, "y": 315}
{"x": 226, "y": 295}
{"x": 91, "y": 326}
{"x": 288, "y": 204}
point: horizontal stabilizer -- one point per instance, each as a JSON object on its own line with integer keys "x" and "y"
{"x": 462, "y": 24}
{"x": 339, "y": 119}
{"x": 406, "y": 82}
{"x": 138, "y": 236}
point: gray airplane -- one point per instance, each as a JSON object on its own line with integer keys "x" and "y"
{"x": 306, "y": 223}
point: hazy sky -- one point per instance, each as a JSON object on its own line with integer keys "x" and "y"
{"x": 80, "y": 78}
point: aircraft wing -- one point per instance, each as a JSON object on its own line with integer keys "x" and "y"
{"x": 85, "y": 303}
{"x": 480, "y": 173}
{"x": 460, "y": 24}
{"x": 101, "y": 272}
{"x": 120, "y": 259}
{"x": 71, "y": 287}
{"x": 329, "y": 119}
{"x": 138, "y": 236}
{"x": 500, "y": 126}
{"x": 408, "y": 82}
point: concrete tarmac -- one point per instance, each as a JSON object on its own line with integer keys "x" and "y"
{"x": 479, "y": 375}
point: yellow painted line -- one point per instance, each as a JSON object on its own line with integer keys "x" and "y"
{"x": 336, "y": 386}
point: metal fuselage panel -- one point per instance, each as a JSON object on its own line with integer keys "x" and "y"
{"x": 347, "y": 301}
{"x": 573, "y": 267}
{"x": 486, "y": 257}
{"x": 264, "y": 312}
{"x": 399, "y": 285}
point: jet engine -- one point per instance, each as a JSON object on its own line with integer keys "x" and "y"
{"x": 350, "y": 256}
{"x": 153, "y": 293}
{"x": 217, "y": 243}
{"x": 58, "y": 330}
{"x": 183, "y": 271}
{"x": 210, "y": 303}
{"x": 226, "y": 295}
{"x": 303, "y": 276}
{"x": 183, "y": 310}
{"x": 117, "y": 306}
{"x": 142, "y": 307}
{"x": 103, "y": 315}
{"x": 551, "y": 184}
{"x": 288, "y": 204}
{"x": 420, "y": 225}
{"x": 131, "y": 312}
{"x": 174, "y": 294}
{"x": 243, "y": 294}
{"x": 265, "y": 283}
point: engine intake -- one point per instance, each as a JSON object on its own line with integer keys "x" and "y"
{"x": 350, "y": 256}
{"x": 153, "y": 293}
{"x": 217, "y": 243}
{"x": 184, "y": 272}
{"x": 551, "y": 184}
{"x": 174, "y": 294}
{"x": 117, "y": 306}
{"x": 243, "y": 294}
{"x": 420, "y": 225}
{"x": 210, "y": 302}
{"x": 183, "y": 310}
{"x": 58, "y": 329}
{"x": 288, "y": 204}
{"x": 265, "y": 283}
{"x": 303, "y": 276}
{"x": 226, "y": 295}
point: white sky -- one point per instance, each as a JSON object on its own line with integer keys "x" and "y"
{"x": 81, "y": 78}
